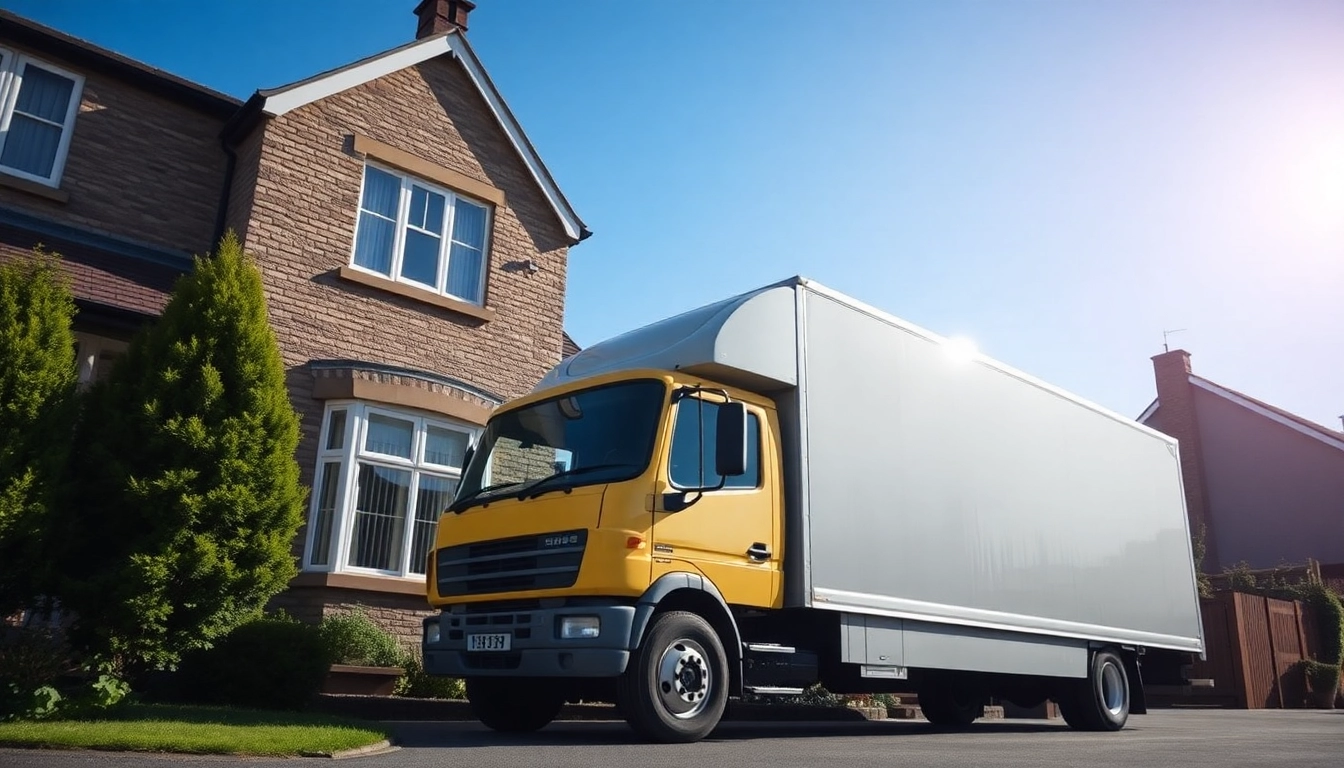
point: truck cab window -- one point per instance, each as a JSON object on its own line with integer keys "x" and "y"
{"x": 694, "y": 428}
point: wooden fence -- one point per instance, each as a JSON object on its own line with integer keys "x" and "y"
{"x": 1251, "y": 643}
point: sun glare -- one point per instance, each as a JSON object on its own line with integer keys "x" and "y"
{"x": 961, "y": 349}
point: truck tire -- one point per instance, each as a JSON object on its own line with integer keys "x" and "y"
{"x": 1100, "y": 702}
{"x": 676, "y": 686}
{"x": 513, "y": 705}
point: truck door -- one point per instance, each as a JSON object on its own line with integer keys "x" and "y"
{"x": 729, "y": 535}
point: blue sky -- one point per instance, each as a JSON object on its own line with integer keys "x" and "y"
{"x": 1058, "y": 180}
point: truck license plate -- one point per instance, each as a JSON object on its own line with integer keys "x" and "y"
{"x": 500, "y": 641}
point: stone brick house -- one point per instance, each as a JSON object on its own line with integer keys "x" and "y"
{"x": 1266, "y": 485}
{"x": 412, "y": 243}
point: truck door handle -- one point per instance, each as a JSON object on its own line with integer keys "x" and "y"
{"x": 758, "y": 551}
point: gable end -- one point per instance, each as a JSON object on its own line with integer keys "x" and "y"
{"x": 278, "y": 101}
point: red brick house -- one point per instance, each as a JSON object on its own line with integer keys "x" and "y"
{"x": 412, "y": 243}
{"x": 1267, "y": 485}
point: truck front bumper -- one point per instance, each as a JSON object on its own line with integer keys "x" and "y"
{"x": 536, "y": 648}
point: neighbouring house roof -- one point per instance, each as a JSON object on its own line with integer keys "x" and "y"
{"x": 568, "y": 346}
{"x": 78, "y": 51}
{"x": 278, "y": 101}
{"x": 1292, "y": 421}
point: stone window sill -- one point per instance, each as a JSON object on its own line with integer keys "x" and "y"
{"x": 33, "y": 188}
{"x": 360, "y": 582}
{"x": 484, "y": 314}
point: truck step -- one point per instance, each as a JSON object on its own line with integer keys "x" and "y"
{"x": 769, "y": 690}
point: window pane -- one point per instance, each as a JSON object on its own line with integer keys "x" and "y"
{"x": 380, "y": 517}
{"x": 685, "y": 467}
{"x": 336, "y": 431}
{"x": 44, "y": 94}
{"x": 382, "y": 192}
{"x": 435, "y": 495}
{"x": 464, "y": 273}
{"x": 373, "y": 245}
{"x": 426, "y": 209}
{"x": 445, "y": 446}
{"x": 30, "y": 146}
{"x": 389, "y": 436}
{"x": 469, "y": 224}
{"x": 420, "y": 262}
{"x": 326, "y": 512}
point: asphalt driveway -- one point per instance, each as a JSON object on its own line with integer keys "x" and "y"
{"x": 1186, "y": 738}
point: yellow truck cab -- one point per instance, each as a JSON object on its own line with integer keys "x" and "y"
{"x": 749, "y": 497}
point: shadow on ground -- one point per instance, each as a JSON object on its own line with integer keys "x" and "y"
{"x": 579, "y": 734}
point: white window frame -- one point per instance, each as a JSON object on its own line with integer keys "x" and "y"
{"x": 11, "y": 65}
{"x": 402, "y": 222}
{"x": 350, "y": 456}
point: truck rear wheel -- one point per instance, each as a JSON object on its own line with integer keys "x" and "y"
{"x": 514, "y": 705}
{"x": 1100, "y": 702}
{"x": 676, "y": 687}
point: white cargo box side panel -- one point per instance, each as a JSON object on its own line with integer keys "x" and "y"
{"x": 961, "y": 492}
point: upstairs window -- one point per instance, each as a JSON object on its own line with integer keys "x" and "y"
{"x": 417, "y": 233}
{"x": 38, "y": 104}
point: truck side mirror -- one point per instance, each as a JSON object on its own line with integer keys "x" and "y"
{"x": 730, "y": 440}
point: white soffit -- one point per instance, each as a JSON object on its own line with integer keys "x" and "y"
{"x": 287, "y": 98}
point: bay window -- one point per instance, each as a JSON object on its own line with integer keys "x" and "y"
{"x": 383, "y": 477}
{"x": 415, "y": 232}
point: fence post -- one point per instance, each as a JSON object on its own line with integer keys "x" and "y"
{"x": 1240, "y": 658}
{"x": 1273, "y": 652}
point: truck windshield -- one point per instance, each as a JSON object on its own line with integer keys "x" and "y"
{"x": 599, "y": 435}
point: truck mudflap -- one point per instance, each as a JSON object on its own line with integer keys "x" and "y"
{"x": 570, "y": 641}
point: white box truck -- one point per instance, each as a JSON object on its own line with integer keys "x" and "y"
{"x": 789, "y": 487}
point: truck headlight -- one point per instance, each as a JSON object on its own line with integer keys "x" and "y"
{"x": 431, "y": 632}
{"x": 580, "y": 627}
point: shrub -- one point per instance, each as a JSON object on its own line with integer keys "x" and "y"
{"x": 37, "y": 391}
{"x": 270, "y": 662}
{"x": 1322, "y": 677}
{"x": 32, "y": 662}
{"x": 417, "y": 684}
{"x": 354, "y": 638}
{"x": 187, "y": 493}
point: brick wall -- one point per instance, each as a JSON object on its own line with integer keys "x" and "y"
{"x": 299, "y": 224}
{"x": 301, "y": 230}
{"x": 140, "y": 166}
{"x": 400, "y": 615}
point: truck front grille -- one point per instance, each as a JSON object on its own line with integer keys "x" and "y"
{"x": 545, "y": 561}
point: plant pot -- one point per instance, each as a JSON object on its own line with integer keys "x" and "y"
{"x": 361, "y": 681}
{"x": 1321, "y": 699}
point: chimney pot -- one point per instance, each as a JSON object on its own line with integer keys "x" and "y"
{"x": 439, "y": 16}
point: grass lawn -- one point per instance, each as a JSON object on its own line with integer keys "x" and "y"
{"x": 200, "y": 730}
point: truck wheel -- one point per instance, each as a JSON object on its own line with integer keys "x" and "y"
{"x": 1101, "y": 701}
{"x": 513, "y": 705}
{"x": 676, "y": 687}
{"x": 946, "y": 707}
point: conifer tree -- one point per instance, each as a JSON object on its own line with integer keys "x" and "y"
{"x": 37, "y": 389}
{"x": 187, "y": 493}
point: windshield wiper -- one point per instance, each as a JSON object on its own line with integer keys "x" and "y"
{"x": 459, "y": 506}
{"x": 529, "y": 489}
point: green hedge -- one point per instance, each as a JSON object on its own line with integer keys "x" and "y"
{"x": 272, "y": 662}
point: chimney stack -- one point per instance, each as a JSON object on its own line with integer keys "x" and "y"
{"x": 438, "y": 16}
{"x": 1176, "y": 417}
